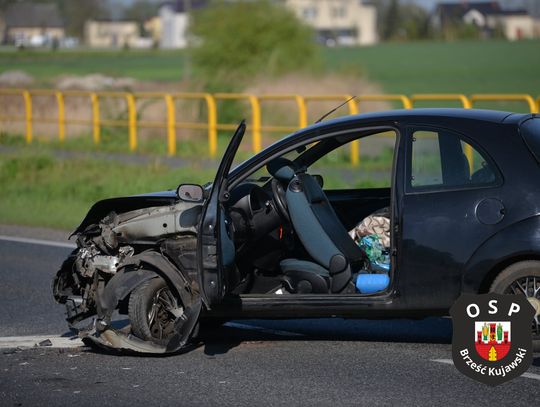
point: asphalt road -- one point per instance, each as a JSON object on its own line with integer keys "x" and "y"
{"x": 317, "y": 362}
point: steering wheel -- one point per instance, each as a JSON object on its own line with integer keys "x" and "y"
{"x": 279, "y": 199}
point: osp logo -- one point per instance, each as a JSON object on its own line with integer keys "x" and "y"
{"x": 492, "y": 340}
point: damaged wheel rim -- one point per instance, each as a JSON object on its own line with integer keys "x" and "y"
{"x": 160, "y": 316}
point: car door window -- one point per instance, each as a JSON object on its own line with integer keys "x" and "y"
{"x": 374, "y": 168}
{"x": 440, "y": 159}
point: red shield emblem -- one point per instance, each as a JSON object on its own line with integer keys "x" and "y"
{"x": 492, "y": 339}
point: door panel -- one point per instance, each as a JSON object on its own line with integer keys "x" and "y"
{"x": 215, "y": 251}
{"x": 439, "y": 226}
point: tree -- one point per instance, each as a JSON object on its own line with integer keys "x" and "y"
{"x": 232, "y": 42}
{"x": 399, "y": 21}
{"x": 391, "y": 20}
{"x": 76, "y": 13}
{"x": 415, "y": 23}
{"x": 140, "y": 11}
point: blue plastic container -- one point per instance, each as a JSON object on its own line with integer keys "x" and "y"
{"x": 372, "y": 283}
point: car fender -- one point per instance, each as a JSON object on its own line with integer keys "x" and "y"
{"x": 124, "y": 204}
{"x": 518, "y": 241}
{"x": 131, "y": 274}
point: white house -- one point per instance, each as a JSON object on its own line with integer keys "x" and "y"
{"x": 339, "y": 22}
{"x": 515, "y": 24}
{"x": 173, "y": 17}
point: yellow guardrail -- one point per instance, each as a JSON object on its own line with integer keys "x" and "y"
{"x": 464, "y": 100}
{"x": 528, "y": 99}
{"x": 133, "y": 122}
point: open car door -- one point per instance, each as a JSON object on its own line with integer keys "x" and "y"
{"x": 216, "y": 251}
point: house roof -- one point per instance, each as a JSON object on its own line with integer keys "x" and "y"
{"x": 43, "y": 15}
{"x": 458, "y": 10}
{"x": 180, "y": 6}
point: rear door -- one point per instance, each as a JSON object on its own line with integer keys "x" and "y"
{"x": 451, "y": 204}
{"x": 216, "y": 251}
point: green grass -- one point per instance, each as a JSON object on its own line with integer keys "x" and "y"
{"x": 45, "y": 66}
{"x": 460, "y": 67}
{"x": 418, "y": 67}
{"x": 40, "y": 190}
{"x": 117, "y": 142}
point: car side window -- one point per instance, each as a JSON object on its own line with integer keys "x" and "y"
{"x": 374, "y": 167}
{"x": 441, "y": 159}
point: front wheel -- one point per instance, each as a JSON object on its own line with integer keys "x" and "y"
{"x": 150, "y": 310}
{"x": 522, "y": 278}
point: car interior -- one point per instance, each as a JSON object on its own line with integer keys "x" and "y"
{"x": 288, "y": 234}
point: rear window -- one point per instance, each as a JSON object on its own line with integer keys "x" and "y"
{"x": 530, "y": 130}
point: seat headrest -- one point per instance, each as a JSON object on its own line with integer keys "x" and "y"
{"x": 282, "y": 169}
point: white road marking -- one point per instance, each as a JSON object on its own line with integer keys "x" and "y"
{"x": 37, "y": 241}
{"x": 11, "y": 342}
{"x": 446, "y": 361}
{"x": 526, "y": 374}
{"x": 261, "y": 329}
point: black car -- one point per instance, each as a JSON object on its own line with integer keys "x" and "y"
{"x": 455, "y": 209}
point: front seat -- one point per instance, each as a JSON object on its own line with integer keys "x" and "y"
{"x": 321, "y": 232}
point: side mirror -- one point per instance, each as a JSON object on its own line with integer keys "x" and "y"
{"x": 190, "y": 192}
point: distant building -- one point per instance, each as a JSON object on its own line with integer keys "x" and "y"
{"x": 111, "y": 34}
{"x": 173, "y": 17}
{"x": 488, "y": 18}
{"x": 338, "y": 22}
{"x": 152, "y": 26}
{"x": 33, "y": 24}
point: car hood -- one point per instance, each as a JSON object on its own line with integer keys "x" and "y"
{"x": 125, "y": 204}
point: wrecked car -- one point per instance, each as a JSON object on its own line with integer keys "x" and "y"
{"x": 457, "y": 212}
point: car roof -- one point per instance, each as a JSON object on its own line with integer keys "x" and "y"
{"x": 493, "y": 116}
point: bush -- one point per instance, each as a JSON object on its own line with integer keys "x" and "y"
{"x": 232, "y": 42}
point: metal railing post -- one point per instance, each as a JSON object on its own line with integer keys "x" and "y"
{"x": 212, "y": 124}
{"x": 407, "y": 104}
{"x": 132, "y": 121}
{"x": 355, "y": 145}
{"x": 28, "y": 109}
{"x": 256, "y": 123}
{"x": 96, "y": 130}
{"x": 61, "y": 116}
{"x": 171, "y": 125}
{"x": 302, "y": 111}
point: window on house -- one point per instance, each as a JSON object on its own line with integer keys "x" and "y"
{"x": 339, "y": 12}
{"x": 310, "y": 13}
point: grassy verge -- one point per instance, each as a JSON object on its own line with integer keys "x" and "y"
{"x": 40, "y": 190}
{"x": 117, "y": 142}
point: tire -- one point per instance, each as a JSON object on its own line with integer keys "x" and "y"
{"x": 514, "y": 274}
{"x": 148, "y": 312}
